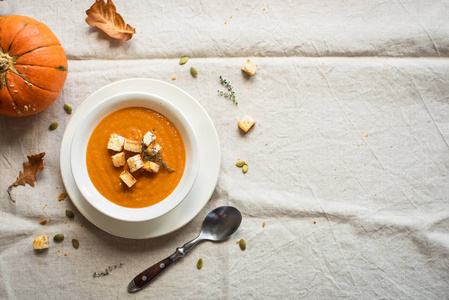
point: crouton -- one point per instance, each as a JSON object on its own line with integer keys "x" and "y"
{"x": 40, "y": 242}
{"x": 148, "y": 138}
{"x": 153, "y": 149}
{"x": 135, "y": 163}
{"x": 116, "y": 142}
{"x": 118, "y": 160}
{"x": 249, "y": 67}
{"x": 151, "y": 167}
{"x": 132, "y": 145}
{"x": 127, "y": 178}
{"x": 246, "y": 123}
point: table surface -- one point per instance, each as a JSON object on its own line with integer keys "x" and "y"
{"x": 348, "y": 161}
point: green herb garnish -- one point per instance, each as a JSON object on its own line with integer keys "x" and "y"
{"x": 107, "y": 270}
{"x": 230, "y": 94}
{"x": 154, "y": 155}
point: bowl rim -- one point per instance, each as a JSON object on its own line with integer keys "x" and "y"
{"x": 89, "y": 123}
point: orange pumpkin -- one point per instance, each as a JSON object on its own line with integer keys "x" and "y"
{"x": 33, "y": 66}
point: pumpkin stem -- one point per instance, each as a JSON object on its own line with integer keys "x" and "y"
{"x": 5, "y": 62}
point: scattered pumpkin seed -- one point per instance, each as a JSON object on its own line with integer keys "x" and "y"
{"x": 199, "y": 264}
{"x": 68, "y": 108}
{"x": 75, "y": 243}
{"x": 58, "y": 238}
{"x": 240, "y": 163}
{"x": 242, "y": 244}
{"x": 69, "y": 213}
{"x": 53, "y": 125}
{"x": 193, "y": 71}
{"x": 245, "y": 168}
{"x": 183, "y": 60}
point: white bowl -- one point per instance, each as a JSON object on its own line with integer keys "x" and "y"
{"x": 81, "y": 139}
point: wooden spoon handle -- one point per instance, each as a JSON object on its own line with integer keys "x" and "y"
{"x": 148, "y": 275}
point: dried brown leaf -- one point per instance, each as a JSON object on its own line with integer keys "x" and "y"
{"x": 30, "y": 170}
{"x": 105, "y": 16}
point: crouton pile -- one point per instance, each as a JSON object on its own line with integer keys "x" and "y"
{"x": 147, "y": 147}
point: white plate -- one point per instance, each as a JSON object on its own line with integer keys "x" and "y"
{"x": 199, "y": 195}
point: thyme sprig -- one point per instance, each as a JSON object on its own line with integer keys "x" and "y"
{"x": 143, "y": 150}
{"x": 107, "y": 270}
{"x": 159, "y": 159}
{"x": 154, "y": 156}
{"x": 230, "y": 94}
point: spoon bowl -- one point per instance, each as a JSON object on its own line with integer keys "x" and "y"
{"x": 221, "y": 223}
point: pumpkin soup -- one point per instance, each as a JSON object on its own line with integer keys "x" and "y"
{"x": 135, "y": 157}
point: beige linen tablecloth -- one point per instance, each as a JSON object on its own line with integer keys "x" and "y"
{"x": 348, "y": 161}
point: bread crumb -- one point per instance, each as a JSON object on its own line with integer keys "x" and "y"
{"x": 116, "y": 142}
{"x": 249, "y": 67}
{"x": 246, "y": 123}
{"x": 127, "y": 178}
{"x": 132, "y": 146}
{"x": 151, "y": 167}
{"x": 118, "y": 160}
{"x": 148, "y": 138}
{"x": 134, "y": 163}
{"x": 40, "y": 242}
{"x": 263, "y": 225}
{"x": 62, "y": 196}
{"x": 43, "y": 222}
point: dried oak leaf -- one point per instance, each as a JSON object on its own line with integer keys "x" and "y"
{"x": 30, "y": 170}
{"x": 105, "y": 16}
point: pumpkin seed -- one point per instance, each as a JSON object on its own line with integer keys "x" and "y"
{"x": 68, "y": 108}
{"x": 69, "y": 213}
{"x": 53, "y": 125}
{"x": 58, "y": 238}
{"x": 242, "y": 244}
{"x": 193, "y": 71}
{"x": 245, "y": 169}
{"x": 183, "y": 60}
{"x": 199, "y": 264}
{"x": 75, "y": 243}
{"x": 240, "y": 163}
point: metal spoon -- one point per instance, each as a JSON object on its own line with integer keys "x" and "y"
{"x": 219, "y": 224}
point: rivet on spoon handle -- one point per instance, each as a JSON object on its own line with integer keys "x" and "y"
{"x": 148, "y": 275}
